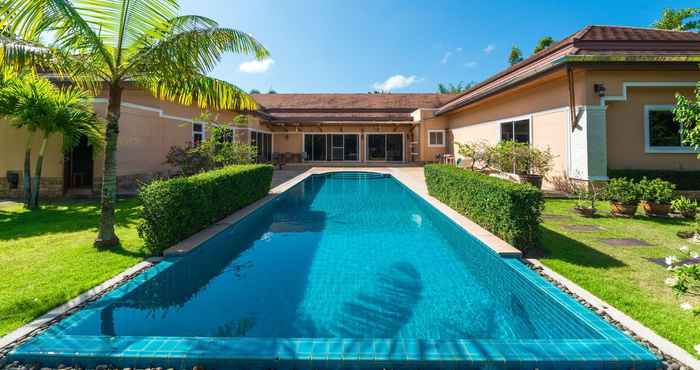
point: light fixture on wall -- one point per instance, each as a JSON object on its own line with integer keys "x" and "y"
{"x": 599, "y": 89}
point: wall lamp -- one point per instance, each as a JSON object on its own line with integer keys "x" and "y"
{"x": 599, "y": 89}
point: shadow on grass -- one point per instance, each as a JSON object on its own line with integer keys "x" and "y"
{"x": 561, "y": 247}
{"x": 62, "y": 217}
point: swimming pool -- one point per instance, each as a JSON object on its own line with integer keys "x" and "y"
{"x": 342, "y": 270}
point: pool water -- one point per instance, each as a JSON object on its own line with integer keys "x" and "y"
{"x": 342, "y": 256}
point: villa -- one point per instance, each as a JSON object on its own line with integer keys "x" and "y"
{"x": 600, "y": 99}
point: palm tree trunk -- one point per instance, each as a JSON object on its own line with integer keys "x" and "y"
{"x": 36, "y": 182}
{"x": 27, "y": 170}
{"x": 106, "y": 237}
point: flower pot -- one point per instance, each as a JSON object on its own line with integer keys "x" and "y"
{"x": 656, "y": 209}
{"x": 585, "y": 211}
{"x": 534, "y": 180}
{"x": 623, "y": 209}
{"x": 689, "y": 214}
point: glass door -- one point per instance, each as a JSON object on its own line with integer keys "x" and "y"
{"x": 385, "y": 147}
{"x": 331, "y": 147}
{"x": 394, "y": 147}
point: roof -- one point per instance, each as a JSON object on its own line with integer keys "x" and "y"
{"x": 390, "y": 107}
{"x": 591, "y": 44}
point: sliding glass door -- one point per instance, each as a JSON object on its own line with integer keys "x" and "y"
{"x": 263, "y": 142}
{"x": 331, "y": 147}
{"x": 385, "y": 147}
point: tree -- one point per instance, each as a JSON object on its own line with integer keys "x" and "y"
{"x": 271, "y": 91}
{"x": 105, "y": 44}
{"x": 679, "y": 20}
{"x": 34, "y": 103}
{"x": 516, "y": 56}
{"x": 254, "y": 91}
{"x": 544, "y": 43}
{"x": 687, "y": 113}
{"x": 454, "y": 89}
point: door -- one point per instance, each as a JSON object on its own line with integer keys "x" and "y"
{"x": 376, "y": 147}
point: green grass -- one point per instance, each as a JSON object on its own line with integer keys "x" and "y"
{"x": 621, "y": 275}
{"x": 47, "y": 256}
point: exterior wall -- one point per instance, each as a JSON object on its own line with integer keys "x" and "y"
{"x": 12, "y": 144}
{"x": 430, "y": 153}
{"x": 625, "y": 129}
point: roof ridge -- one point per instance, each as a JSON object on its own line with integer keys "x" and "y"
{"x": 641, "y": 28}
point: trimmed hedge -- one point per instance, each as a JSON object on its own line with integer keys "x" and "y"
{"x": 509, "y": 210}
{"x": 177, "y": 208}
{"x": 684, "y": 180}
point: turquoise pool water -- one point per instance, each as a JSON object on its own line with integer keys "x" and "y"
{"x": 347, "y": 268}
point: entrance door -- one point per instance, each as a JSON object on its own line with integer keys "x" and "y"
{"x": 78, "y": 166}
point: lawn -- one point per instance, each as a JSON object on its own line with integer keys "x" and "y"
{"x": 621, "y": 275}
{"x": 48, "y": 257}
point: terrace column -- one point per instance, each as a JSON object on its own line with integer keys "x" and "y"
{"x": 588, "y": 153}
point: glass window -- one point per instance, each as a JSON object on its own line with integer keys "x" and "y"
{"x": 436, "y": 138}
{"x": 663, "y": 129}
{"x": 517, "y": 130}
{"x": 351, "y": 144}
{"x": 394, "y": 147}
{"x": 197, "y": 133}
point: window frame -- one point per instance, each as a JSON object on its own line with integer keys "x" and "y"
{"x": 648, "y": 148}
{"x": 444, "y": 138}
{"x": 200, "y": 132}
{"x": 512, "y": 122}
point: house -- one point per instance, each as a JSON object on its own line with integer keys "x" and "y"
{"x": 600, "y": 99}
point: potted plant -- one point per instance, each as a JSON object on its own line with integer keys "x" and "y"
{"x": 528, "y": 163}
{"x": 623, "y": 195}
{"x": 685, "y": 207}
{"x": 656, "y": 196}
{"x": 587, "y": 195}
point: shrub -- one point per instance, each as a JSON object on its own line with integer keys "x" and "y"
{"x": 522, "y": 158}
{"x": 178, "y": 208}
{"x": 684, "y": 180}
{"x": 656, "y": 191}
{"x": 509, "y": 210}
{"x": 622, "y": 190}
{"x": 217, "y": 152}
{"x": 684, "y": 206}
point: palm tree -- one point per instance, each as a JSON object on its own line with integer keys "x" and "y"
{"x": 111, "y": 43}
{"x": 515, "y": 56}
{"x": 544, "y": 43}
{"x": 679, "y": 20}
{"x": 39, "y": 106}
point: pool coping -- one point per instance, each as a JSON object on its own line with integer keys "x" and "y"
{"x": 28, "y": 330}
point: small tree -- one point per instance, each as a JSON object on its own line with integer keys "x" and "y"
{"x": 687, "y": 113}
{"x": 516, "y": 55}
{"x": 34, "y": 103}
{"x": 679, "y": 20}
{"x": 454, "y": 89}
{"x": 544, "y": 43}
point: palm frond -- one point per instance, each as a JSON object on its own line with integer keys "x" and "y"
{"x": 206, "y": 92}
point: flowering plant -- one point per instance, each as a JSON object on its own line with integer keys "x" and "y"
{"x": 685, "y": 279}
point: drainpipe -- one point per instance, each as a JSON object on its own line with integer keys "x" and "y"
{"x": 572, "y": 95}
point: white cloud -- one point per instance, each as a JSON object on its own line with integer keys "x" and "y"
{"x": 445, "y": 57}
{"x": 471, "y": 64}
{"x": 458, "y": 49}
{"x": 395, "y": 82}
{"x": 488, "y": 49}
{"x": 256, "y": 66}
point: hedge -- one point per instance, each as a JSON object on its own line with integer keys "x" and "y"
{"x": 509, "y": 210}
{"x": 177, "y": 208}
{"x": 684, "y": 180}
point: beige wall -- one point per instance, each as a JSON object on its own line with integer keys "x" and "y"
{"x": 625, "y": 130}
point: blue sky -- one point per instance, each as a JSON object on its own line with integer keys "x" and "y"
{"x": 357, "y": 45}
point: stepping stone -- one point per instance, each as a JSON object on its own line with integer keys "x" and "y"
{"x": 556, "y": 218}
{"x": 624, "y": 242}
{"x": 583, "y": 228}
{"x": 683, "y": 262}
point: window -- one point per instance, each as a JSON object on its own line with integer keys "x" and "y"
{"x": 197, "y": 133}
{"x": 263, "y": 142}
{"x": 516, "y": 130}
{"x": 662, "y": 131}
{"x": 436, "y": 137}
{"x": 331, "y": 147}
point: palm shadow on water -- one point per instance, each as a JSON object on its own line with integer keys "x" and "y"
{"x": 381, "y": 310}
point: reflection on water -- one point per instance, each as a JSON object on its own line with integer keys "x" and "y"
{"x": 337, "y": 256}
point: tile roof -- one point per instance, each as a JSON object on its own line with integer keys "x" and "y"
{"x": 595, "y": 40}
{"x": 346, "y": 107}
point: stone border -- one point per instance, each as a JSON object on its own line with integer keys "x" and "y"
{"x": 671, "y": 353}
{"x": 36, "y": 326}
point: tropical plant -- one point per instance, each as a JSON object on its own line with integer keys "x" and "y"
{"x": 515, "y": 56}
{"x": 587, "y": 194}
{"x": 544, "y": 43}
{"x": 105, "y": 44}
{"x": 218, "y": 151}
{"x": 656, "y": 190}
{"x": 687, "y": 113}
{"x": 480, "y": 155}
{"x": 522, "y": 158}
{"x": 685, "y": 278}
{"x": 687, "y": 207}
{"x": 454, "y": 89}
{"x": 622, "y": 190}
{"x": 37, "y": 105}
{"x": 254, "y": 91}
{"x": 679, "y": 20}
